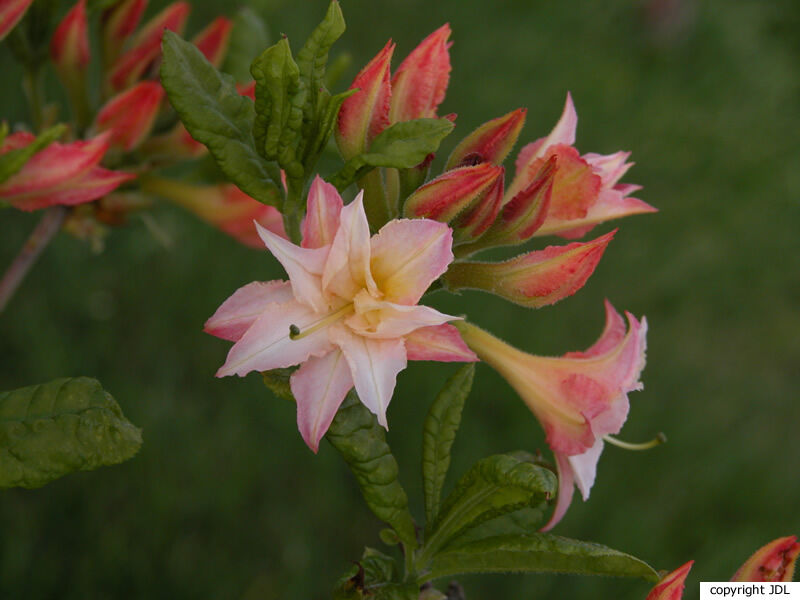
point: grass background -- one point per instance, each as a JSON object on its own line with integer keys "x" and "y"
{"x": 225, "y": 501}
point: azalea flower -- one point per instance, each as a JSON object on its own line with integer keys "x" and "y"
{"x": 578, "y": 398}
{"x": 350, "y": 305}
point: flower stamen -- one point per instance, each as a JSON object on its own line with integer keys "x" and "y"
{"x": 296, "y": 334}
{"x": 656, "y": 441}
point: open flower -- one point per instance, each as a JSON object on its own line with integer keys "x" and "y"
{"x": 350, "y": 305}
{"x": 578, "y": 398}
{"x": 586, "y": 189}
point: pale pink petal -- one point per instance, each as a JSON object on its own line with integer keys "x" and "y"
{"x": 442, "y": 343}
{"x": 408, "y": 255}
{"x": 374, "y": 365}
{"x": 613, "y": 333}
{"x": 266, "y": 344}
{"x": 239, "y": 312}
{"x": 322, "y": 219}
{"x": 565, "y": 489}
{"x": 584, "y": 467}
{"x": 610, "y": 167}
{"x": 319, "y": 386}
{"x": 304, "y": 267}
{"x": 383, "y": 320}
{"x": 347, "y": 268}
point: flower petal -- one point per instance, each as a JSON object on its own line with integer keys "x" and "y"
{"x": 565, "y": 490}
{"x": 442, "y": 343}
{"x": 374, "y": 365}
{"x": 584, "y": 467}
{"x": 347, "y": 267}
{"x": 408, "y": 255}
{"x": 235, "y": 316}
{"x": 322, "y": 219}
{"x": 266, "y": 344}
{"x": 379, "y": 319}
{"x": 773, "y": 562}
{"x": 319, "y": 386}
{"x": 304, "y": 267}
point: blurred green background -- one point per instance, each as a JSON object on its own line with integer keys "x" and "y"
{"x": 225, "y": 501}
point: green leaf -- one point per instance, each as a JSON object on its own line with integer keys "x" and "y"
{"x": 375, "y": 577}
{"x": 277, "y": 380}
{"x": 356, "y": 435}
{"x": 216, "y": 115}
{"x": 402, "y": 146}
{"x": 537, "y": 553}
{"x": 324, "y": 128}
{"x": 249, "y": 38}
{"x": 524, "y": 521}
{"x": 439, "y": 432}
{"x": 279, "y": 107}
{"x": 494, "y": 486}
{"x": 55, "y": 428}
{"x": 11, "y": 162}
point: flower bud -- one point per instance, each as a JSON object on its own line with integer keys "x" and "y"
{"x": 146, "y": 46}
{"x": 119, "y": 22}
{"x": 130, "y": 115}
{"x": 11, "y": 12}
{"x": 773, "y": 562}
{"x": 671, "y": 585}
{"x": 69, "y": 47}
{"x": 534, "y": 279}
{"x": 213, "y": 40}
{"x": 366, "y": 113}
{"x": 452, "y": 193}
{"x": 491, "y": 142}
{"x": 420, "y": 82}
{"x": 66, "y": 174}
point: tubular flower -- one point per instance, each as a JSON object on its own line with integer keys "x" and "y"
{"x": 415, "y": 91}
{"x": 65, "y": 174}
{"x": 671, "y": 585}
{"x": 130, "y": 115}
{"x": 773, "y": 562}
{"x": 586, "y": 189}
{"x": 349, "y": 312}
{"x": 578, "y": 398}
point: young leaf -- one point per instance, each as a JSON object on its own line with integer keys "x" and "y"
{"x": 277, "y": 380}
{"x": 55, "y": 428}
{"x": 216, "y": 115}
{"x": 279, "y": 107}
{"x": 439, "y": 432}
{"x": 402, "y": 146}
{"x": 249, "y": 38}
{"x": 537, "y": 553}
{"x": 356, "y": 435}
{"x": 11, "y": 162}
{"x": 494, "y": 486}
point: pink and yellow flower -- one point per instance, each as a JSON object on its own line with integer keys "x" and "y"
{"x": 586, "y": 189}
{"x": 578, "y": 398}
{"x": 65, "y": 174}
{"x": 350, "y": 305}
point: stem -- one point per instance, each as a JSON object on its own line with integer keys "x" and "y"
{"x": 44, "y": 231}
{"x": 32, "y": 84}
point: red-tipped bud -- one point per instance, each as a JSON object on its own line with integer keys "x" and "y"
{"x": 130, "y": 115}
{"x": 535, "y": 279}
{"x": 420, "y": 82}
{"x": 213, "y": 40}
{"x": 119, "y": 23}
{"x": 146, "y": 46}
{"x": 247, "y": 89}
{"x": 66, "y": 174}
{"x": 452, "y": 193}
{"x": 11, "y": 11}
{"x": 69, "y": 47}
{"x": 773, "y": 562}
{"x": 671, "y": 585}
{"x": 366, "y": 113}
{"x": 491, "y": 142}
{"x": 477, "y": 220}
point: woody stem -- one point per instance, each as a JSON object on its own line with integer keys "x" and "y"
{"x": 42, "y": 234}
